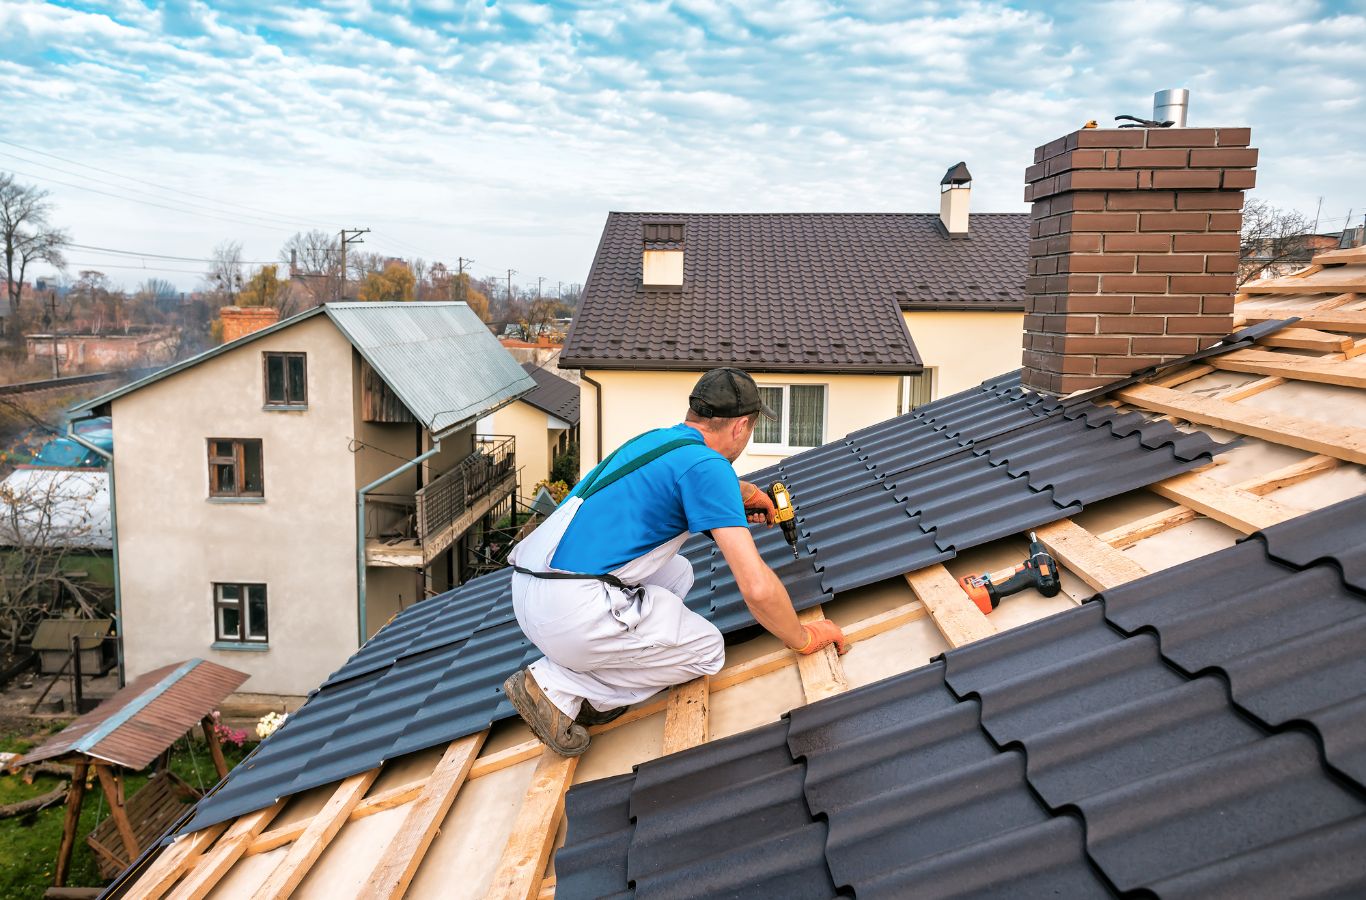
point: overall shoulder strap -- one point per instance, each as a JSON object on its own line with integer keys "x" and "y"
{"x": 644, "y": 459}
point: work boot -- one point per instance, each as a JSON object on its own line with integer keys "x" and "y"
{"x": 588, "y": 716}
{"x": 556, "y": 730}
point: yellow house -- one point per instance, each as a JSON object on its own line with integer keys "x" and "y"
{"x": 282, "y": 496}
{"x": 844, "y": 319}
{"x": 545, "y": 423}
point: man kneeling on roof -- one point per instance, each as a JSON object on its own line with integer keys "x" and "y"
{"x": 599, "y": 586}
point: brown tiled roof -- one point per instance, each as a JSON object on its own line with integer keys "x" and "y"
{"x": 553, "y": 394}
{"x": 791, "y": 291}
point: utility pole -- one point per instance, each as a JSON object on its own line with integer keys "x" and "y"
{"x": 559, "y": 290}
{"x": 52, "y": 327}
{"x": 353, "y": 238}
{"x": 460, "y": 276}
{"x": 511, "y": 272}
{"x": 539, "y": 280}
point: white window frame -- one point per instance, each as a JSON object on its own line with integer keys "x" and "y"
{"x": 903, "y": 402}
{"x": 784, "y": 421}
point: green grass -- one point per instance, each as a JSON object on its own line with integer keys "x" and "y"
{"x": 28, "y": 852}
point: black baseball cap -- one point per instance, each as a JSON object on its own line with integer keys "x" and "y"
{"x": 727, "y": 393}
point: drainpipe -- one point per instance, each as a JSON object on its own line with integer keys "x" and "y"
{"x": 114, "y": 539}
{"x": 360, "y": 533}
{"x": 598, "y": 394}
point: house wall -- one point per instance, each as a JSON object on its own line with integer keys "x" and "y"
{"x": 635, "y": 401}
{"x": 966, "y": 347}
{"x": 528, "y": 425}
{"x": 300, "y": 540}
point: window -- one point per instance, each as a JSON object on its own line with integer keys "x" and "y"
{"x": 239, "y": 613}
{"x": 235, "y": 468}
{"x": 801, "y": 416}
{"x": 286, "y": 380}
{"x": 916, "y": 390}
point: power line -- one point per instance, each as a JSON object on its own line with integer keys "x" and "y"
{"x": 245, "y": 262}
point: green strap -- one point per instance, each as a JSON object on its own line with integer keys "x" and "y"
{"x": 595, "y": 484}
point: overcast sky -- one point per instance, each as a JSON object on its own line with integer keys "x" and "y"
{"x": 506, "y": 131}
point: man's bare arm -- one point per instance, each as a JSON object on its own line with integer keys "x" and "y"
{"x": 764, "y": 593}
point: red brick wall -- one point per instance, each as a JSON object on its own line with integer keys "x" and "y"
{"x": 243, "y": 320}
{"x": 1133, "y": 250}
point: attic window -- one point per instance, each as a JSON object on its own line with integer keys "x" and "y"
{"x": 661, "y": 233}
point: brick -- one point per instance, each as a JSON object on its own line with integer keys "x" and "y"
{"x": 1076, "y": 364}
{"x": 1185, "y": 306}
{"x": 1064, "y": 324}
{"x": 1045, "y": 265}
{"x": 1086, "y": 201}
{"x": 1036, "y": 284}
{"x": 1171, "y": 263}
{"x": 1217, "y": 305}
{"x": 1038, "y": 154}
{"x": 1204, "y": 284}
{"x": 1232, "y": 221}
{"x": 1081, "y": 343}
{"x": 1035, "y": 172}
{"x": 1098, "y": 221}
{"x": 1221, "y": 263}
{"x": 1145, "y": 179}
{"x": 1040, "y": 304}
{"x": 1153, "y": 159}
{"x": 1076, "y": 159}
{"x": 1134, "y": 284}
{"x": 1138, "y": 243}
{"x": 1066, "y": 384}
{"x": 1175, "y": 346}
{"x": 1099, "y": 262}
{"x": 1075, "y": 243}
{"x": 1101, "y": 180}
{"x": 1141, "y": 200}
{"x": 1189, "y": 178}
{"x": 1207, "y": 342}
{"x": 1239, "y": 179}
{"x": 1033, "y": 322}
{"x": 1123, "y": 365}
{"x": 1199, "y": 324}
{"x": 1181, "y": 137}
{"x": 1210, "y": 200}
{"x": 1072, "y": 284}
{"x": 1039, "y": 246}
{"x": 1098, "y": 303}
{"x": 1173, "y": 221}
{"x": 1130, "y": 324}
{"x": 1109, "y": 137}
{"x": 1235, "y": 137}
{"x": 1205, "y": 243}
{"x": 1232, "y": 159}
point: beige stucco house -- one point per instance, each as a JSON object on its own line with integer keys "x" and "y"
{"x": 269, "y": 514}
{"x": 544, "y": 422}
{"x": 844, "y": 319}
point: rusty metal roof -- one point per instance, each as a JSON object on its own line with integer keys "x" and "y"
{"x": 136, "y": 725}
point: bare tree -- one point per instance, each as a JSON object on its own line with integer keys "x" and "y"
{"x": 26, "y": 235}
{"x": 225, "y": 271}
{"x": 316, "y": 261}
{"x": 46, "y": 516}
{"x": 1274, "y": 241}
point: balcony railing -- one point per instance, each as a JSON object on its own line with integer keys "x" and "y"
{"x": 455, "y": 500}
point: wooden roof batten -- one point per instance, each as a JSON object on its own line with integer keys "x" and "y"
{"x": 1319, "y": 351}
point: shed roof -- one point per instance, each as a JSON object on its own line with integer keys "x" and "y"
{"x": 553, "y": 394}
{"x": 56, "y": 634}
{"x": 438, "y": 358}
{"x": 137, "y": 724}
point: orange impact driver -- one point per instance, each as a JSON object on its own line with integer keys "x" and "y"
{"x": 1039, "y": 572}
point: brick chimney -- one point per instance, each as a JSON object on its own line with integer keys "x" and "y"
{"x": 239, "y": 321}
{"x": 1133, "y": 250}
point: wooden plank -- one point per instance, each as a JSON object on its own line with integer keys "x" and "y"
{"x": 1296, "y": 338}
{"x": 1329, "y": 285}
{"x": 1181, "y": 376}
{"x": 1339, "y": 257}
{"x": 386, "y": 799}
{"x": 687, "y": 719}
{"x": 220, "y": 765}
{"x": 319, "y": 833}
{"x": 524, "y": 859}
{"x": 173, "y": 862}
{"x": 71, "y": 822}
{"x": 1237, "y": 509}
{"x": 1091, "y": 559}
{"x": 1286, "y": 365}
{"x": 216, "y": 862}
{"x": 1340, "y": 441}
{"x": 398, "y": 864}
{"x": 1353, "y": 320}
{"x": 957, "y": 617}
{"x": 1287, "y": 475}
{"x": 1250, "y": 389}
{"x": 113, "y": 792}
{"x": 821, "y": 672}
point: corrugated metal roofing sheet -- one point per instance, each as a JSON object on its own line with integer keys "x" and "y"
{"x": 133, "y": 727}
{"x": 439, "y": 358}
{"x": 886, "y": 500}
{"x": 1194, "y": 733}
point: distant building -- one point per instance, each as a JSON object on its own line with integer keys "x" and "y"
{"x": 77, "y": 353}
{"x": 545, "y": 423}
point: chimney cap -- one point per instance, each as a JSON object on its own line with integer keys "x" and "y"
{"x": 957, "y": 174}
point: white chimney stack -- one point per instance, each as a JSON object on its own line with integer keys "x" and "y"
{"x": 955, "y": 191}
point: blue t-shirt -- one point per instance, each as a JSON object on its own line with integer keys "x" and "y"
{"x": 691, "y": 488}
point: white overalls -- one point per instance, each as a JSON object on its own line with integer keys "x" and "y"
{"x": 609, "y": 646}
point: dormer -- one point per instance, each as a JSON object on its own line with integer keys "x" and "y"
{"x": 661, "y": 264}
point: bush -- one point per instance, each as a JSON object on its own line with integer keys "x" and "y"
{"x": 566, "y": 467}
{"x": 558, "y": 489}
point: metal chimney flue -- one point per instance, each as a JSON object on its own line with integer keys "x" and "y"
{"x": 1171, "y": 105}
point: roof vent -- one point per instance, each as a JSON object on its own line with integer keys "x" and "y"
{"x": 955, "y": 190}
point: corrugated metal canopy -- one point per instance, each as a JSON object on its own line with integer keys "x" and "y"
{"x": 133, "y": 727}
{"x": 439, "y": 358}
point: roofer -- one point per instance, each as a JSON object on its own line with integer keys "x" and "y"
{"x": 599, "y": 586}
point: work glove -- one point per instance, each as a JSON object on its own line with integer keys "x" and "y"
{"x": 821, "y": 634}
{"x": 757, "y": 503}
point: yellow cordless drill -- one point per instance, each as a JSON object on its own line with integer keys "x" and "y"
{"x": 786, "y": 515}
